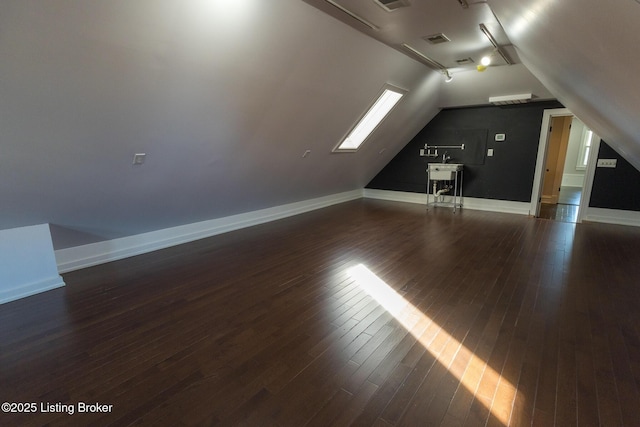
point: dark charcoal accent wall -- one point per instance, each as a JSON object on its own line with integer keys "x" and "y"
{"x": 617, "y": 188}
{"x": 508, "y": 175}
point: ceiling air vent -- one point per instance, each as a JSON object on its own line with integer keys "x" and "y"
{"x": 520, "y": 98}
{"x": 391, "y": 5}
{"x": 437, "y": 38}
{"x": 464, "y": 61}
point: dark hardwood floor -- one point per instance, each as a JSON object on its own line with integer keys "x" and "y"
{"x": 566, "y": 210}
{"x": 559, "y": 212}
{"x": 503, "y": 319}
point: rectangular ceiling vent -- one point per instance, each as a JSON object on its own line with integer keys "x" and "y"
{"x": 437, "y": 38}
{"x": 391, "y": 5}
{"x": 521, "y": 98}
{"x": 464, "y": 61}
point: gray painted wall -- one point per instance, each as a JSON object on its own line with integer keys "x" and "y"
{"x": 223, "y": 97}
{"x": 615, "y": 188}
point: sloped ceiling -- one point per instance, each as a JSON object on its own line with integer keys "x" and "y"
{"x": 412, "y": 25}
{"x": 581, "y": 52}
{"x": 586, "y": 53}
{"x": 224, "y": 97}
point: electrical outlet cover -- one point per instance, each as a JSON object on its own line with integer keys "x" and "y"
{"x": 138, "y": 158}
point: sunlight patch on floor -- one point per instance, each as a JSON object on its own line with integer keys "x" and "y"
{"x": 470, "y": 370}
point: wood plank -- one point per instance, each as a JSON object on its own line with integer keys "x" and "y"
{"x": 265, "y": 326}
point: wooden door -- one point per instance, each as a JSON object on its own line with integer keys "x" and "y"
{"x": 556, "y": 154}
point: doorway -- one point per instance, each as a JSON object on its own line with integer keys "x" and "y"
{"x": 560, "y": 201}
{"x": 564, "y": 172}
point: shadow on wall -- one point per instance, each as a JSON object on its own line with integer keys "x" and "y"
{"x": 65, "y": 237}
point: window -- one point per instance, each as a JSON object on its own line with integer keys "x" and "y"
{"x": 370, "y": 121}
{"x": 585, "y": 149}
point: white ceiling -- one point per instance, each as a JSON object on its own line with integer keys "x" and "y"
{"x": 581, "y": 52}
{"x": 586, "y": 53}
{"x": 410, "y": 25}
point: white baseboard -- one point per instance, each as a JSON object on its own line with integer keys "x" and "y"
{"x": 78, "y": 257}
{"x": 552, "y": 200}
{"x": 505, "y": 206}
{"x": 612, "y": 216}
{"x": 27, "y": 262}
{"x": 395, "y": 196}
{"x": 572, "y": 180}
{"x": 29, "y": 289}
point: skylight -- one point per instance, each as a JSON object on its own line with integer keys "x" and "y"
{"x": 378, "y": 111}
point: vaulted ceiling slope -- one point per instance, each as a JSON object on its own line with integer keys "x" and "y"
{"x": 411, "y": 27}
{"x": 586, "y": 53}
{"x": 224, "y": 97}
{"x": 581, "y": 52}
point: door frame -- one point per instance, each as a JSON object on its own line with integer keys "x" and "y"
{"x": 543, "y": 146}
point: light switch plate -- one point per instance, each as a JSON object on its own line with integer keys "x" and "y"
{"x": 607, "y": 163}
{"x": 490, "y": 152}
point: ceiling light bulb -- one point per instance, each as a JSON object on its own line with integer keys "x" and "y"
{"x": 486, "y": 60}
{"x": 481, "y": 67}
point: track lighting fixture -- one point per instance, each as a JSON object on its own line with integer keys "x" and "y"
{"x": 428, "y": 61}
{"x": 495, "y": 44}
